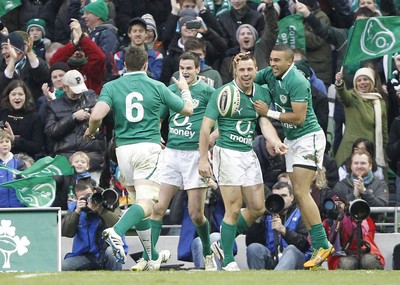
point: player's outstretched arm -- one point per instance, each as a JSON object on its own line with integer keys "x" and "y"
{"x": 271, "y": 136}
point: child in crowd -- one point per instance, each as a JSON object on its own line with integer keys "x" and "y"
{"x": 36, "y": 28}
{"x": 8, "y": 198}
{"x": 65, "y": 193}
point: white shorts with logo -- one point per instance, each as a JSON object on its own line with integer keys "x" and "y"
{"x": 236, "y": 168}
{"x": 180, "y": 168}
{"x": 307, "y": 151}
{"x": 139, "y": 161}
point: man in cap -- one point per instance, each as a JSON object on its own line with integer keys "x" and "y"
{"x": 137, "y": 33}
{"x": 103, "y": 34}
{"x": 249, "y": 40}
{"x": 21, "y": 62}
{"x": 67, "y": 118}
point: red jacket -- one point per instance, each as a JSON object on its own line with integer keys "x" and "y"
{"x": 93, "y": 71}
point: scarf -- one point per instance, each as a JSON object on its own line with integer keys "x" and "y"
{"x": 77, "y": 62}
{"x": 225, "y": 6}
{"x": 379, "y": 156}
{"x": 367, "y": 179}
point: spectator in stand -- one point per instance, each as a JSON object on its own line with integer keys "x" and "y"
{"x": 365, "y": 145}
{"x": 215, "y": 45}
{"x": 8, "y": 197}
{"x": 67, "y": 119}
{"x": 21, "y": 120}
{"x": 152, "y": 41}
{"x": 137, "y": 33}
{"x": 54, "y": 46}
{"x": 367, "y": 111}
{"x": 103, "y": 34}
{"x": 393, "y": 89}
{"x": 318, "y": 51}
{"x": 248, "y": 40}
{"x": 36, "y": 28}
{"x": 239, "y": 14}
{"x": 83, "y": 55}
{"x": 21, "y": 62}
{"x": 361, "y": 182}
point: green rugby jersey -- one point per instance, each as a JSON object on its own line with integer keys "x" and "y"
{"x": 184, "y": 131}
{"x": 292, "y": 87}
{"x": 135, "y": 100}
{"x": 237, "y": 132}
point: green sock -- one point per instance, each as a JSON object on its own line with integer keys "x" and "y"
{"x": 130, "y": 218}
{"x": 156, "y": 227}
{"x": 228, "y": 235}
{"x": 203, "y": 232}
{"x": 145, "y": 234}
{"x": 242, "y": 225}
{"x": 318, "y": 237}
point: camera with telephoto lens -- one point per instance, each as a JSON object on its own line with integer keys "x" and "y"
{"x": 108, "y": 198}
{"x": 358, "y": 209}
{"x": 274, "y": 204}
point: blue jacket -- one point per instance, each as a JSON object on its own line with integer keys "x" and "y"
{"x": 8, "y": 197}
{"x": 88, "y": 235}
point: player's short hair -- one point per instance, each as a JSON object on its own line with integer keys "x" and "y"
{"x": 135, "y": 58}
{"x": 241, "y": 57}
{"x": 286, "y": 49}
{"x": 190, "y": 56}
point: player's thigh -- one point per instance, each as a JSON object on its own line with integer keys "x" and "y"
{"x": 254, "y": 196}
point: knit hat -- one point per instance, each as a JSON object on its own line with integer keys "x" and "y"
{"x": 75, "y": 81}
{"x": 187, "y": 15}
{"x": 151, "y": 24}
{"x": 40, "y": 23}
{"x": 98, "y": 8}
{"x": 250, "y": 27}
{"x": 303, "y": 67}
{"x": 16, "y": 41}
{"x": 59, "y": 66}
{"x": 366, "y": 72}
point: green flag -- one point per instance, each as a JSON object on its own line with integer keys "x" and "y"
{"x": 291, "y": 32}
{"x": 48, "y": 166}
{"x": 373, "y": 37}
{"x": 7, "y": 5}
{"x": 34, "y": 191}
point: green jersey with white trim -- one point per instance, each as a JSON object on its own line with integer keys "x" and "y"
{"x": 135, "y": 100}
{"x": 237, "y": 132}
{"x": 293, "y": 87}
{"x": 184, "y": 131}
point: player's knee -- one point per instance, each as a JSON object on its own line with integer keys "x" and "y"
{"x": 159, "y": 210}
{"x": 196, "y": 217}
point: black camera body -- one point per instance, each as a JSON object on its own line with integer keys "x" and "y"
{"x": 358, "y": 209}
{"x": 195, "y": 24}
{"x": 108, "y": 198}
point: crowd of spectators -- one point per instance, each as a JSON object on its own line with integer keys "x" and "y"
{"x": 57, "y": 54}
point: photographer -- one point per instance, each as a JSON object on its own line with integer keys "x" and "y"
{"x": 288, "y": 226}
{"x": 341, "y": 229}
{"x": 85, "y": 222}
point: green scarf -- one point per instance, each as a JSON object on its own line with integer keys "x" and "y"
{"x": 77, "y": 62}
{"x": 367, "y": 179}
{"x": 225, "y": 6}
